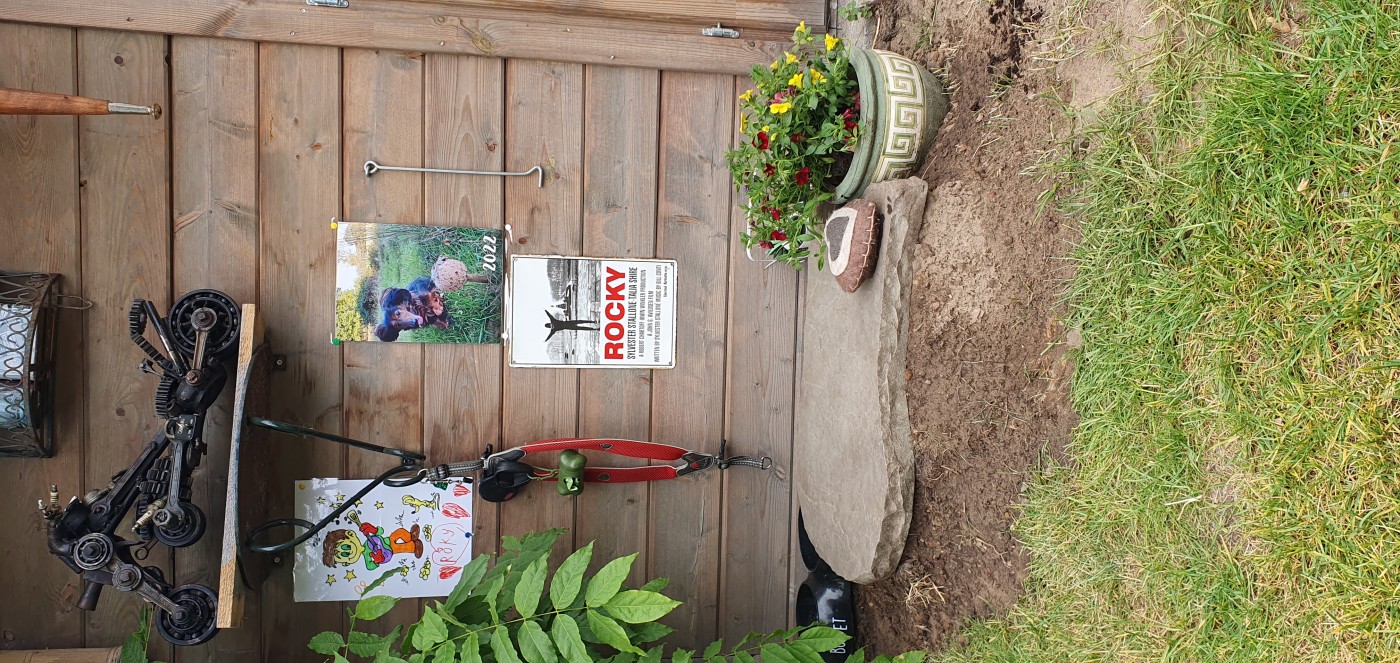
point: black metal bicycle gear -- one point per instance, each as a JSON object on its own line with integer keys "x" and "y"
{"x": 165, "y": 397}
{"x": 196, "y": 623}
{"x": 186, "y": 532}
{"x": 136, "y": 324}
{"x": 222, "y": 338}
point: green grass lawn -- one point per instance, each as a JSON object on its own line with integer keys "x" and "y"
{"x": 1234, "y": 490}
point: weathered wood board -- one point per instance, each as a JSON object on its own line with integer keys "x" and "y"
{"x": 621, "y": 128}
{"x": 299, "y": 171}
{"x": 414, "y": 26}
{"x": 544, "y": 106}
{"x": 124, "y": 177}
{"x": 249, "y": 397}
{"x": 688, "y": 401}
{"x": 40, "y": 216}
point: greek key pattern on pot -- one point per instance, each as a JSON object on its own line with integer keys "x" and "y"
{"x": 904, "y": 117}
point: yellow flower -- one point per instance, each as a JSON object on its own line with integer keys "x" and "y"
{"x": 743, "y": 122}
{"x": 831, "y": 41}
{"x": 747, "y": 95}
{"x": 796, "y": 80}
{"x": 774, "y": 66}
{"x": 780, "y": 108}
{"x": 788, "y": 57}
{"x": 767, "y": 128}
{"x": 818, "y": 77}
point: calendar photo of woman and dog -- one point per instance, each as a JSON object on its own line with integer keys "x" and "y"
{"x": 417, "y": 284}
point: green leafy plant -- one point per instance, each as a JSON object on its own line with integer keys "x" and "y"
{"x": 800, "y": 125}
{"x": 134, "y": 648}
{"x": 855, "y": 11}
{"x": 501, "y": 612}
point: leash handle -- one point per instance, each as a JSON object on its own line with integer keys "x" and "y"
{"x": 616, "y": 474}
{"x": 629, "y": 448}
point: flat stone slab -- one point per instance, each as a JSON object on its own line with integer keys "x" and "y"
{"x": 853, "y": 463}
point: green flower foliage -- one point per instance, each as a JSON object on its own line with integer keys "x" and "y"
{"x": 502, "y": 612}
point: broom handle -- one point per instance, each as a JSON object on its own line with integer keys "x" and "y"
{"x": 26, "y": 102}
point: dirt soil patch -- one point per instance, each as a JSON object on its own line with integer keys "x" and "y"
{"x": 988, "y": 376}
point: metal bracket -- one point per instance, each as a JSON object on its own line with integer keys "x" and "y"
{"x": 717, "y": 31}
{"x": 329, "y": 3}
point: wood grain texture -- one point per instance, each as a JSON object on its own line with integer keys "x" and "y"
{"x": 619, "y": 219}
{"x": 383, "y": 381}
{"x": 40, "y": 218}
{"x": 395, "y": 24}
{"x": 758, "y": 422}
{"x": 233, "y": 595}
{"x": 464, "y": 129}
{"x": 688, "y": 401}
{"x": 299, "y": 169}
{"x": 213, "y": 115}
{"x": 29, "y": 102}
{"x": 124, "y": 173}
{"x": 797, "y": 570}
{"x": 544, "y": 106}
{"x": 769, "y": 14}
{"x": 111, "y": 655}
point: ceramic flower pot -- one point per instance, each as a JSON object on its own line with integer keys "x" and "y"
{"x": 902, "y": 105}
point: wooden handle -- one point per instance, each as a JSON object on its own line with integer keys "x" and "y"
{"x": 25, "y": 102}
{"x": 109, "y": 655}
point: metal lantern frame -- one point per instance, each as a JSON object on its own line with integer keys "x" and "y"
{"x": 29, "y": 303}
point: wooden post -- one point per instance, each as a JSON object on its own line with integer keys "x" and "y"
{"x": 231, "y": 590}
{"x": 109, "y": 655}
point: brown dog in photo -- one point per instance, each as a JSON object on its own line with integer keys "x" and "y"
{"x": 399, "y": 312}
{"x": 429, "y": 302}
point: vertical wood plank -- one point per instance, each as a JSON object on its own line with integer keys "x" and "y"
{"x": 383, "y": 381}
{"x": 40, "y": 218}
{"x": 299, "y": 168}
{"x": 543, "y": 127}
{"x": 214, "y": 120}
{"x": 797, "y": 570}
{"x": 464, "y": 129}
{"x": 619, "y": 220}
{"x": 124, "y": 173}
{"x": 759, "y": 389}
{"x": 688, "y": 401}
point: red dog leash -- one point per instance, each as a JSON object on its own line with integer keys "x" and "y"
{"x": 505, "y": 472}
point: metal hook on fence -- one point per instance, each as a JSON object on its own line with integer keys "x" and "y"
{"x": 371, "y": 167}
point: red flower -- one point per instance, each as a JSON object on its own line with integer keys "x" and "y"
{"x": 780, "y": 96}
{"x": 769, "y": 170}
{"x": 778, "y": 236}
{"x": 803, "y": 176}
{"x": 857, "y": 102}
{"x": 761, "y": 140}
{"x": 797, "y": 137}
{"x": 766, "y": 244}
{"x": 776, "y": 214}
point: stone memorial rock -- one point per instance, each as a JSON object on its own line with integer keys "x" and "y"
{"x": 853, "y": 457}
{"x": 853, "y": 243}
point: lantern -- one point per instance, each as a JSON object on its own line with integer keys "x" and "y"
{"x": 28, "y": 308}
